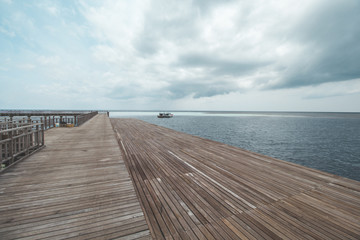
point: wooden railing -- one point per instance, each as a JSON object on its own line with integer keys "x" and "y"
{"x": 50, "y": 119}
{"x": 85, "y": 117}
{"x": 21, "y": 137}
{"x": 19, "y": 140}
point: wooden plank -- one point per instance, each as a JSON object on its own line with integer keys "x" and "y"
{"x": 78, "y": 186}
{"x": 196, "y": 188}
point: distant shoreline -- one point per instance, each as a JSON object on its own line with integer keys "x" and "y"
{"x": 167, "y": 110}
{"x": 355, "y": 115}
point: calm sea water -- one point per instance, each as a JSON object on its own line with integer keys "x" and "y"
{"x": 326, "y": 141}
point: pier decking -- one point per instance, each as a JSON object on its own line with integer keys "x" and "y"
{"x": 186, "y": 187}
{"x": 193, "y": 188}
{"x": 76, "y": 188}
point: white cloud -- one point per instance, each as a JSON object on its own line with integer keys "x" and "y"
{"x": 8, "y": 33}
{"x": 48, "y": 60}
{"x": 7, "y": 1}
{"x": 117, "y": 22}
{"x": 334, "y": 89}
{"x": 161, "y": 53}
{"x": 244, "y": 45}
{"x": 26, "y": 66}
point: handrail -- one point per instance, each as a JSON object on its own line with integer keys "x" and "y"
{"x": 22, "y": 127}
{"x": 19, "y": 139}
{"x": 85, "y": 117}
{"x": 19, "y": 142}
{"x": 50, "y": 120}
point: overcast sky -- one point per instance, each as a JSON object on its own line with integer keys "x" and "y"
{"x": 260, "y": 55}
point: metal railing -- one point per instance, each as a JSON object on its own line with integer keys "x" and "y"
{"x": 19, "y": 140}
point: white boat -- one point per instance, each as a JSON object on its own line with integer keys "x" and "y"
{"x": 165, "y": 115}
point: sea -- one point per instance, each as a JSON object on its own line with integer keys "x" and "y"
{"x": 329, "y": 142}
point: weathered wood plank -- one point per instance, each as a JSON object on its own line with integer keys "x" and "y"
{"x": 78, "y": 186}
{"x": 200, "y": 189}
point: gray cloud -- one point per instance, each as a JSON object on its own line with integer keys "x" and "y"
{"x": 159, "y": 27}
{"x": 222, "y": 47}
{"x": 206, "y": 5}
{"x": 123, "y": 51}
{"x": 327, "y": 35}
{"x": 219, "y": 67}
{"x": 199, "y": 88}
{"x": 124, "y": 92}
{"x": 330, "y": 34}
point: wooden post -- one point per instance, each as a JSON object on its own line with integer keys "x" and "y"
{"x": 11, "y": 151}
{"x": 42, "y": 135}
{"x": 6, "y": 145}
{"x": 27, "y": 140}
{"x": 75, "y": 120}
{"x": 45, "y": 123}
{"x": 16, "y": 141}
{"x": 31, "y": 135}
{"x": 37, "y": 135}
{"x": 29, "y": 120}
{"x": 1, "y": 150}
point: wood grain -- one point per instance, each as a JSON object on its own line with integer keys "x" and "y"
{"x": 77, "y": 187}
{"x": 194, "y": 188}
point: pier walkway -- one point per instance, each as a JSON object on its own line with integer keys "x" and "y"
{"x": 193, "y": 188}
{"x": 75, "y": 188}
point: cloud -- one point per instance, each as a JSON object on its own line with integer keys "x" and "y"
{"x": 197, "y": 89}
{"x": 50, "y": 7}
{"x": 7, "y": 1}
{"x": 209, "y": 48}
{"x": 333, "y": 89}
{"x": 26, "y": 66}
{"x": 7, "y": 32}
{"x": 48, "y": 60}
{"x": 121, "y": 51}
{"x": 328, "y": 34}
{"x": 218, "y": 67}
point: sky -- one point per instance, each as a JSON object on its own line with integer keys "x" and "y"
{"x": 245, "y": 55}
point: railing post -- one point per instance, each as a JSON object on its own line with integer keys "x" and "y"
{"x": 6, "y": 149}
{"x": 11, "y": 150}
{"x": 42, "y": 135}
{"x": 1, "y": 150}
{"x": 31, "y": 138}
{"x": 37, "y": 136}
{"x": 45, "y": 118}
{"x": 27, "y": 139}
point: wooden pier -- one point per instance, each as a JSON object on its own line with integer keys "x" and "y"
{"x": 143, "y": 181}
{"x": 75, "y": 188}
{"x": 193, "y": 188}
